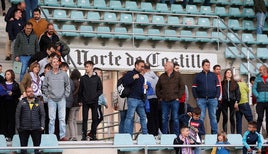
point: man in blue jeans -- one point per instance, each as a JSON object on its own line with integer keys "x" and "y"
{"x": 206, "y": 91}
{"x": 169, "y": 88}
{"x": 136, "y": 99}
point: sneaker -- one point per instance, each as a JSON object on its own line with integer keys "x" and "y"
{"x": 84, "y": 138}
{"x": 8, "y": 58}
{"x": 92, "y": 137}
{"x": 64, "y": 139}
{"x": 72, "y": 139}
{"x": 8, "y": 139}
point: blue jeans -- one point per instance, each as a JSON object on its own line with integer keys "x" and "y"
{"x": 24, "y": 64}
{"x": 138, "y": 106}
{"x": 30, "y": 6}
{"x": 52, "y": 108}
{"x": 211, "y": 104}
{"x": 173, "y": 107}
{"x": 244, "y": 109}
{"x": 260, "y": 22}
{"x": 122, "y": 120}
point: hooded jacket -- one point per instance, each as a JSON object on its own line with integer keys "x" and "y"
{"x": 260, "y": 89}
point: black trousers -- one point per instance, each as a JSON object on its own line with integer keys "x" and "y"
{"x": 152, "y": 117}
{"x": 94, "y": 113}
{"x": 260, "y": 108}
{"x": 225, "y": 106}
{"x": 36, "y": 137}
{"x": 219, "y": 111}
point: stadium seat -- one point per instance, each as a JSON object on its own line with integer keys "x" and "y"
{"x": 232, "y": 37}
{"x": 138, "y": 34}
{"x": 57, "y": 29}
{"x": 45, "y": 13}
{"x": 110, "y": 17}
{"x": 158, "y": 20}
{"x": 186, "y": 35}
{"x": 248, "y": 25}
{"x": 234, "y": 12}
{"x": 147, "y": 7}
{"x": 248, "y": 12}
{"x": 202, "y": 36}
{"x": 218, "y": 36}
{"x": 16, "y": 143}
{"x": 245, "y": 69}
{"x": 210, "y": 139}
{"x": 132, "y": 6}
{"x": 49, "y": 140}
{"x": 176, "y": 8}
{"x": 188, "y": 21}
{"x": 104, "y": 32}
{"x": 236, "y": 2}
{"x": 167, "y": 139}
{"x": 126, "y": 18}
{"x": 60, "y": 15}
{"x": 116, "y": 5}
{"x": 231, "y": 53}
{"x": 173, "y": 21}
{"x": 206, "y": 10}
{"x": 154, "y": 34}
{"x": 86, "y": 31}
{"x": 220, "y": 11}
{"x": 100, "y": 4}
{"x": 171, "y": 35}
{"x": 262, "y": 39}
{"x": 3, "y": 144}
{"x": 245, "y": 52}
{"x": 83, "y": 4}
{"x": 147, "y": 139}
{"x": 124, "y": 140}
{"x": 67, "y": 3}
{"x": 51, "y": 3}
{"x": 248, "y": 38}
{"x": 262, "y": 53}
{"x": 142, "y": 19}
{"x": 77, "y": 16}
{"x": 248, "y": 3}
{"x": 121, "y": 33}
{"x": 69, "y": 30}
{"x": 203, "y": 22}
{"x": 234, "y": 24}
{"x": 162, "y": 7}
{"x": 223, "y": 2}
{"x": 15, "y": 1}
{"x": 192, "y": 9}
{"x": 219, "y": 23}
{"x": 93, "y": 17}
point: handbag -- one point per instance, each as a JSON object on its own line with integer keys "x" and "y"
{"x": 17, "y": 67}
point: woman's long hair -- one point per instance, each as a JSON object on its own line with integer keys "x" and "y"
{"x": 233, "y": 82}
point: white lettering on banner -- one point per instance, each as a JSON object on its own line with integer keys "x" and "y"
{"x": 125, "y": 59}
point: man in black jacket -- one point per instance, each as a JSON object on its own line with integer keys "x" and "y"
{"x": 30, "y": 120}
{"x": 88, "y": 95}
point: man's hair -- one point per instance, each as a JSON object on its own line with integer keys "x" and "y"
{"x": 54, "y": 54}
{"x": 48, "y": 65}
{"x": 215, "y": 66}
{"x": 205, "y": 61}
{"x": 252, "y": 78}
{"x": 88, "y": 63}
{"x": 28, "y": 24}
{"x": 183, "y": 127}
{"x": 253, "y": 123}
{"x": 97, "y": 69}
{"x": 139, "y": 61}
{"x": 37, "y": 10}
{"x": 176, "y": 64}
{"x": 197, "y": 111}
{"x": 64, "y": 64}
{"x": 50, "y": 24}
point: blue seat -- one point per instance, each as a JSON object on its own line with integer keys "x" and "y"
{"x": 167, "y": 139}
{"x": 210, "y": 139}
{"x": 234, "y": 12}
{"x": 100, "y": 4}
{"x": 60, "y": 15}
{"x": 45, "y": 13}
{"x": 245, "y": 52}
{"x": 202, "y": 36}
{"x": 162, "y": 7}
{"x": 206, "y": 10}
{"x": 223, "y": 2}
{"x": 50, "y": 140}
{"x": 236, "y": 2}
{"x": 171, "y": 35}
{"x": 51, "y": 3}
{"x": 233, "y": 37}
{"x": 121, "y": 33}
{"x": 67, "y": 3}
{"x": 56, "y": 27}
{"x": 124, "y": 140}
{"x": 69, "y": 30}
{"x": 192, "y": 9}
{"x": 158, "y": 20}
{"x": 132, "y": 6}
{"x": 248, "y": 12}
{"x": 86, "y": 31}
{"x": 110, "y": 17}
{"x": 138, "y": 34}
{"x": 142, "y": 19}
{"x": 84, "y": 4}
{"x": 188, "y": 21}
{"x": 186, "y": 35}
{"x": 219, "y": 23}
{"x": 173, "y": 21}
{"x": 77, "y": 16}
{"x": 248, "y": 25}
{"x": 147, "y": 7}
{"x": 218, "y": 36}
{"x": 231, "y": 53}
{"x": 3, "y": 144}
{"x": 262, "y": 53}
{"x": 147, "y": 139}
{"x": 104, "y": 32}
{"x": 126, "y": 18}
{"x": 262, "y": 39}
{"x": 245, "y": 69}
{"x": 220, "y": 11}
{"x": 16, "y": 143}
{"x": 248, "y": 3}
{"x": 176, "y": 8}
{"x": 93, "y": 17}
{"x": 116, "y": 5}
{"x": 234, "y": 24}
{"x": 154, "y": 34}
{"x": 203, "y": 23}
{"x": 248, "y": 38}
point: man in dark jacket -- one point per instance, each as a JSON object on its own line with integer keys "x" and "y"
{"x": 30, "y": 120}
{"x": 206, "y": 91}
{"x": 88, "y": 95}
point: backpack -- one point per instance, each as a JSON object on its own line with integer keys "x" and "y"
{"x": 124, "y": 91}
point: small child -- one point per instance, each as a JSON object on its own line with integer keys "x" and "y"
{"x": 251, "y": 136}
{"x": 184, "y": 139}
{"x": 221, "y": 139}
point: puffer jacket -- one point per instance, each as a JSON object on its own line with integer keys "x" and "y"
{"x": 260, "y": 89}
